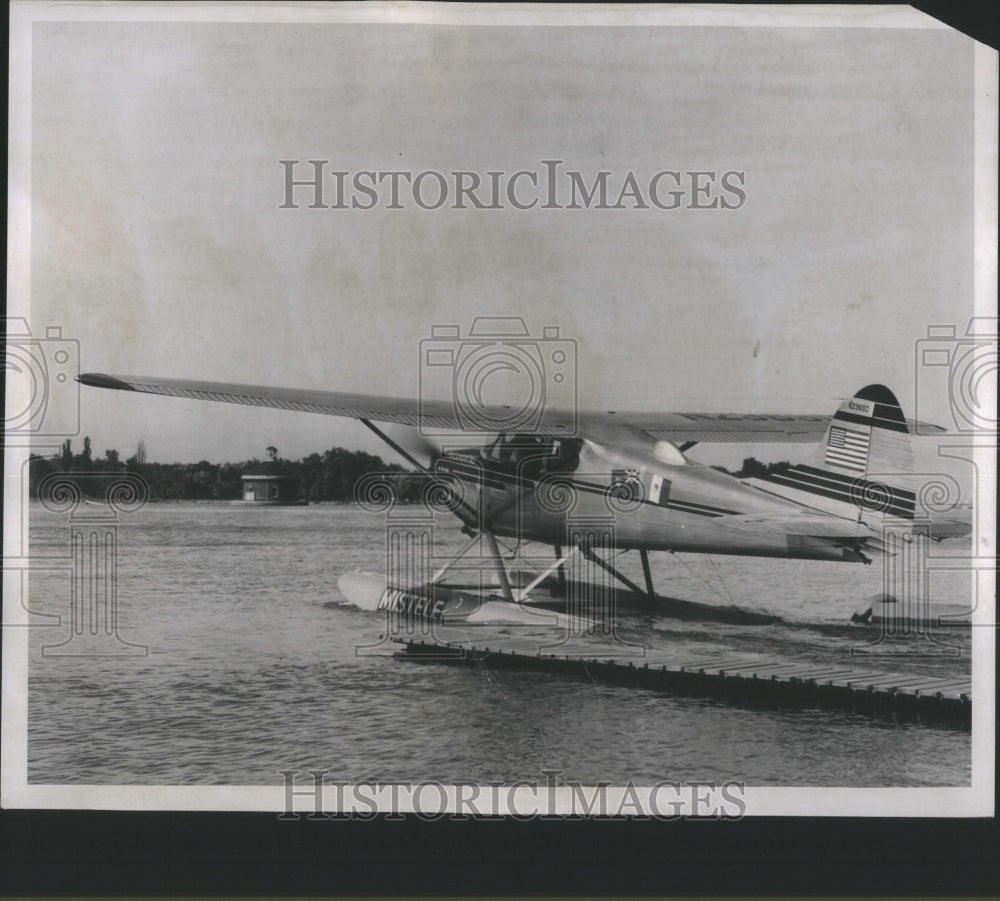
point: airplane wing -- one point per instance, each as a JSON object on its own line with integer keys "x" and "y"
{"x": 433, "y": 414}
{"x": 680, "y": 428}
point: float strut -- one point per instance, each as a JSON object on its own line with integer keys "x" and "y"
{"x": 644, "y": 557}
{"x": 444, "y": 569}
{"x": 588, "y": 552}
{"x": 523, "y": 594}
{"x": 508, "y": 595}
{"x": 562, "y": 570}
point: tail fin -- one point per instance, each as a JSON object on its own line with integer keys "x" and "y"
{"x": 869, "y": 435}
{"x": 862, "y": 468}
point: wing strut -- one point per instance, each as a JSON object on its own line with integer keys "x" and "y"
{"x": 395, "y": 446}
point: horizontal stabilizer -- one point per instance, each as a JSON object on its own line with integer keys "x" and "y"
{"x": 815, "y": 525}
{"x": 941, "y": 528}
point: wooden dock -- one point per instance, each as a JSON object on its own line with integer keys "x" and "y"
{"x": 739, "y": 679}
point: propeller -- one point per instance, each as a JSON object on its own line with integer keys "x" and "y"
{"x": 421, "y": 447}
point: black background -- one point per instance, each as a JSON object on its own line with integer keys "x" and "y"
{"x": 113, "y": 853}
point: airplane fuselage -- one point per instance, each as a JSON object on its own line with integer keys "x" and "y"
{"x": 632, "y": 497}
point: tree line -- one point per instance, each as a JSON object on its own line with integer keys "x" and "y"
{"x": 752, "y": 468}
{"x": 330, "y": 476}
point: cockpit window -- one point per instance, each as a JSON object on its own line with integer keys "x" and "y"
{"x": 491, "y": 448}
{"x": 533, "y": 455}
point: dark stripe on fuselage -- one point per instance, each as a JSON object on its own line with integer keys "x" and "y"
{"x": 494, "y": 478}
{"x": 697, "y": 509}
{"x": 885, "y": 499}
{"x": 831, "y": 476}
{"x": 850, "y": 481}
{"x": 850, "y": 488}
{"x": 672, "y": 503}
{"x": 877, "y": 506}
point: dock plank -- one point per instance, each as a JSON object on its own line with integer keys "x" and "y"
{"x": 817, "y": 672}
{"x": 735, "y": 678}
{"x": 962, "y": 686}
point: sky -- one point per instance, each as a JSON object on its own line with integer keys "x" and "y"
{"x": 158, "y": 241}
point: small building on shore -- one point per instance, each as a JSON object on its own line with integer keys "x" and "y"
{"x": 271, "y": 490}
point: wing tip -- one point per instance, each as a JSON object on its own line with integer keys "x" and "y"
{"x": 100, "y": 380}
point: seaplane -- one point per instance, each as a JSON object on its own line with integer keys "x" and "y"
{"x": 595, "y": 485}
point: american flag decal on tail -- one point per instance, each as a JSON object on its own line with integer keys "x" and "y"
{"x": 863, "y": 465}
{"x": 848, "y": 448}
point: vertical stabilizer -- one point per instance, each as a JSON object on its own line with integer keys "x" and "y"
{"x": 868, "y": 435}
{"x": 863, "y": 467}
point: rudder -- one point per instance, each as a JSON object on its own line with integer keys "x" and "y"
{"x": 863, "y": 467}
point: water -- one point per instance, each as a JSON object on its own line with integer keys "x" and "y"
{"x": 252, "y": 669}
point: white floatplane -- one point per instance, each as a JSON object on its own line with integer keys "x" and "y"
{"x": 626, "y": 479}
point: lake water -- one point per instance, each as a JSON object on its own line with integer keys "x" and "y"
{"x": 253, "y": 668}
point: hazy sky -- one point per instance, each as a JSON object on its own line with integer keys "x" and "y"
{"x": 158, "y": 241}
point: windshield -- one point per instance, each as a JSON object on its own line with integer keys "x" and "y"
{"x": 668, "y": 452}
{"x": 542, "y": 453}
